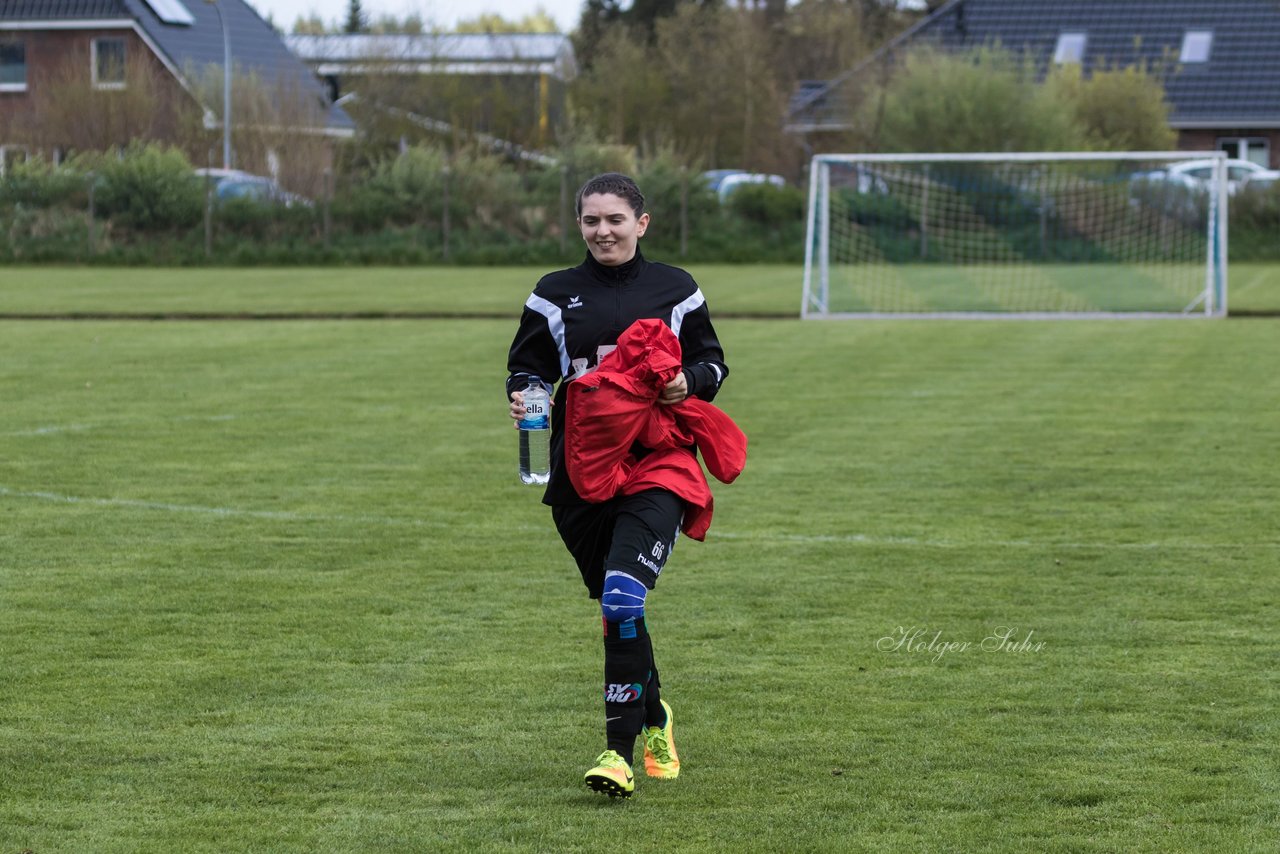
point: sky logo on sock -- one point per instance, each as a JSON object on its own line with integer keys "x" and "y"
{"x": 615, "y": 693}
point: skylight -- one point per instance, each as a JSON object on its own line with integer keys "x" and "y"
{"x": 172, "y": 12}
{"x": 1070, "y": 48}
{"x": 1196, "y": 46}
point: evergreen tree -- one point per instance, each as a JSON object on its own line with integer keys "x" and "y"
{"x": 355, "y": 18}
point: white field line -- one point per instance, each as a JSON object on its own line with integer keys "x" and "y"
{"x": 226, "y": 512}
{"x": 392, "y": 521}
{"x": 55, "y": 429}
{"x": 863, "y": 539}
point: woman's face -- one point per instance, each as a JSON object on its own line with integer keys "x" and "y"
{"x": 610, "y": 228}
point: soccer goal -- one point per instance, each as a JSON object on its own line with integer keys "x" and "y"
{"x": 1049, "y": 234}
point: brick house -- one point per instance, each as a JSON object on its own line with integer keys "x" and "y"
{"x": 1216, "y": 58}
{"x": 80, "y": 74}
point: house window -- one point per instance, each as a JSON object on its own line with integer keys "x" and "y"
{"x": 13, "y": 66}
{"x": 108, "y": 63}
{"x": 1070, "y": 48}
{"x": 1256, "y": 149}
{"x": 1196, "y": 46}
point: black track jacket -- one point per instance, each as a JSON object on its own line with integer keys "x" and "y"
{"x": 573, "y": 319}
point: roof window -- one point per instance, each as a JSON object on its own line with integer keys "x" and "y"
{"x": 172, "y": 12}
{"x": 1070, "y": 48}
{"x": 1196, "y": 46}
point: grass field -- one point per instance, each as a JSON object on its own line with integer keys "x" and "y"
{"x": 757, "y": 290}
{"x": 274, "y": 586}
{"x": 1166, "y": 288}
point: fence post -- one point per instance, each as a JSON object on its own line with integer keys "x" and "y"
{"x": 684, "y": 211}
{"x": 444, "y": 220}
{"x": 564, "y": 208}
{"x": 328, "y": 201}
{"x": 208, "y": 209}
{"x": 92, "y": 238}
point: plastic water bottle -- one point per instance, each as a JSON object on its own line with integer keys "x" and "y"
{"x": 535, "y": 434}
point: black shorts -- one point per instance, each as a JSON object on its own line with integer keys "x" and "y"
{"x": 630, "y": 533}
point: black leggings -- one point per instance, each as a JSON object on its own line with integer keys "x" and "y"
{"x": 630, "y": 533}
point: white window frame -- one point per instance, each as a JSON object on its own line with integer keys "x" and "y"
{"x": 1197, "y": 47}
{"x": 1244, "y": 145}
{"x": 18, "y": 87}
{"x": 1071, "y": 47}
{"x": 93, "y": 66}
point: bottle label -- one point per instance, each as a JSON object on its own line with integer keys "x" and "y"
{"x": 535, "y": 416}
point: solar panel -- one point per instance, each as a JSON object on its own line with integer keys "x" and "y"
{"x": 172, "y": 12}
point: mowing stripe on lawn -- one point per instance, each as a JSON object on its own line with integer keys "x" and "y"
{"x": 850, "y": 539}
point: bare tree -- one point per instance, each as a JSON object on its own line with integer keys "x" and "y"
{"x": 73, "y": 114}
{"x": 278, "y": 127}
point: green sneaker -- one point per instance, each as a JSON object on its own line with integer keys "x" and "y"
{"x": 611, "y": 776}
{"x": 660, "y": 758}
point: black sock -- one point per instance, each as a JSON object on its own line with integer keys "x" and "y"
{"x": 654, "y": 714}
{"x": 627, "y": 679}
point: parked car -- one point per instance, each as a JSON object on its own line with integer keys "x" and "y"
{"x": 1261, "y": 183}
{"x": 713, "y": 177}
{"x": 723, "y": 182}
{"x": 234, "y": 184}
{"x": 1195, "y": 175}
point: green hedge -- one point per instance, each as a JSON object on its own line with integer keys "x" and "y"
{"x": 148, "y": 210}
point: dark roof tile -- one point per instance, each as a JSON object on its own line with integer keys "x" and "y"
{"x": 44, "y": 10}
{"x": 1241, "y": 80}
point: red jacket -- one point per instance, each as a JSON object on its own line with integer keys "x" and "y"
{"x": 616, "y": 406}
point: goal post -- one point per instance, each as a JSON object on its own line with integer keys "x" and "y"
{"x": 1018, "y": 235}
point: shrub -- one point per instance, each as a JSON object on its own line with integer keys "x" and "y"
{"x": 984, "y": 100}
{"x": 1122, "y": 109}
{"x": 38, "y": 183}
{"x": 1255, "y": 222}
{"x": 766, "y": 204}
{"x": 150, "y": 188}
{"x": 406, "y": 188}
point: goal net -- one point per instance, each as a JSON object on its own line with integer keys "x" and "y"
{"x": 1017, "y": 235}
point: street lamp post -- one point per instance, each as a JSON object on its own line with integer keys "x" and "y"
{"x": 226, "y": 85}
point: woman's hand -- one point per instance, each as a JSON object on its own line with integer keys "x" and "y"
{"x": 517, "y": 407}
{"x": 675, "y": 391}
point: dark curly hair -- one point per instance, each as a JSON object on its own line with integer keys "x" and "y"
{"x": 612, "y": 183}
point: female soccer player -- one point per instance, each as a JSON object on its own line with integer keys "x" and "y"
{"x": 570, "y": 322}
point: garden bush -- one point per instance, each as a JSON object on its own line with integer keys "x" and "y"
{"x": 149, "y": 188}
{"x": 150, "y": 210}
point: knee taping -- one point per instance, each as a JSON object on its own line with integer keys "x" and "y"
{"x": 623, "y": 597}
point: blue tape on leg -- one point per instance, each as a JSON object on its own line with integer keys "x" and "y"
{"x": 623, "y": 598}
